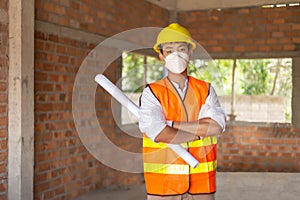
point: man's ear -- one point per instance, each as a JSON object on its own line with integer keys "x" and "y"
{"x": 190, "y": 53}
{"x": 161, "y": 57}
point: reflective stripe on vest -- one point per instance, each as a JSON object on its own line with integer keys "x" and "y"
{"x": 198, "y": 143}
{"x": 179, "y": 169}
{"x": 165, "y": 173}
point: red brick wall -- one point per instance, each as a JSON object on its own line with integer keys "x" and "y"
{"x": 3, "y": 99}
{"x": 64, "y": 169}
{"x": 259, "y": 148}
{"x": 55, "y": 137}
{"x": 105, "y": 17}
{"x": 245, "y": 30}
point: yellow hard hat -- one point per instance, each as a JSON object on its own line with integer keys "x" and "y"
{"x": 173, "y": 33}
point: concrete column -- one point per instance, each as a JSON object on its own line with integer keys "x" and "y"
{"x": 296, "y": 92}
{"x": 20, "y": 100}
{"x": 173, "y": 16}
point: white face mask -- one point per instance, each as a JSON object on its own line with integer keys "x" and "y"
{"x": 177, "y": 62}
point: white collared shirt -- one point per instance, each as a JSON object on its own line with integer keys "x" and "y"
{"x": 152, "y": 120}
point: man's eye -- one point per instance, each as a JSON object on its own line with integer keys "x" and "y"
{"x": 169, "y": 51}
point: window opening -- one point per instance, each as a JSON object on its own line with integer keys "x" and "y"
{"x": 255, "y": 90}
{"x": 137, "y": 71}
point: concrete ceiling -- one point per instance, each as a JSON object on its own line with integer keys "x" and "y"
{"x": 185, "y": 5}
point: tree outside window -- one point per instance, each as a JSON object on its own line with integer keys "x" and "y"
{"x": 262, "y": 88}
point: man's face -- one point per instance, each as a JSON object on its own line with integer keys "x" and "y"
{"x": 168, "y": 48}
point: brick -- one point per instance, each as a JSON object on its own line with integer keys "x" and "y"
{"x": 3, "y": 156}
{"x": 60, "y": 10}
{"x": 40, "y": 76}
{"x": 41, "y": 177}
{"x": 289, "y": 47}
{"x": 284, "y": 40}
{"x": 3, "y": 86}
{"x": 41, "y": 15}
{"x": 292, "y": 34}
{"x": 277, "y": 141}
{"x": 249, "y": 140}
{"x": 3, "y": 98}
{"x": 239, "y": 48}
{"x": 264, "y": 48}
{"x": 54, "y": 77}
{"x": 44, "y": 137}
{"x": 279, "y": 21}
{"x": 3, "y": 168}
{"x": 3, "y": 121}
{"x": 272, "y": 41}
{"x": 3, "y": 144}
{"x": 283, "y": 148}
{"x": 285, "y": 28}
{"x": 3, "y": 187}
{"x": 42, "y": 187}
{"x": 53, "y": 18}
{"x": 244, "y": 11}
{"x": 230, "y": 145}
{"x": 3, "y": 133}
{"x": 42, "y": 167}
{"x": 49, "y": 194}
{"x": 3, "y": 110}
{"x": 296, "y": 39}
{"x": 275, "y": 154}
{"x": 60, "y": 49}
{"x": 277, "y": 34}
{"x": 290, "y": 141}
{"x": 217, "y": 49}
{"x": 63, "y": 59}
{"x": 40, "y": 55}
{"x": 272, "y": 27}
{"x": 295, "y": 26}
{"x": 48, "y": 6}
{"x": 276, "y": 47}
{"x": 264, "y": 154}
{"x": 264, "y": 141}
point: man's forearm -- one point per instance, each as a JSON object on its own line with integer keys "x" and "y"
{"x": 203, "y": 127}
{"x": 189, "y": 131}
{"x": 174, "y": 136}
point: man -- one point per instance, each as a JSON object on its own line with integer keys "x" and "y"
{"x": 179, "y": 109}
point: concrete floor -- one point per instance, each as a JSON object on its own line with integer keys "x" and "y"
{"x": 230, "y": 186}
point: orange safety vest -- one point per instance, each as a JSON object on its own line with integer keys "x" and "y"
{"x": 165, "y": 172}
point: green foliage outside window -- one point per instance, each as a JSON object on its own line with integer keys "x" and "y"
{"x": 136, "y": 72}
{"x": 252, "y": 76}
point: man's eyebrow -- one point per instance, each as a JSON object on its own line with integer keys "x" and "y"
{"x": 183, "y": 45}
{"x": 169, "y": 47}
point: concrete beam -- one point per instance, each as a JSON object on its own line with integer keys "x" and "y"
{"x": 20, "y": 100}
{"x": 91, "y": 38}
{"x": 249, "y": 55}
{"x": 214, "y": 4}
{"x": 62, "y": 31}
{"x": 173, "y": 16}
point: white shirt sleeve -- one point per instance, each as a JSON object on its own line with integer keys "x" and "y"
{"x": 212, "y": 109}
{"x": 152, "y": 120}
